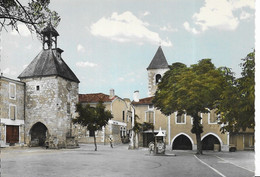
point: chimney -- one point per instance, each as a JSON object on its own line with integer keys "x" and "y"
{"x": 111, "y": 93}
{"x": 136, "y": 96}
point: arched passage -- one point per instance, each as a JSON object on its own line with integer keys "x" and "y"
{"x": 182, "y": 142}
{"x": 38, "y": 134}
{"x": 209, "y": 141}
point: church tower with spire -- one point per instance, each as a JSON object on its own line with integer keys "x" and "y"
{"x": 51, "y": 95}
{"x": 156, "y": 70}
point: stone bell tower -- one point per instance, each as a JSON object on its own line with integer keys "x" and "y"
{"x": 156, "y": 70}
{"x": 51, "y": 95}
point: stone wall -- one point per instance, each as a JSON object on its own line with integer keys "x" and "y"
{"x": 152, "y": 86}
{"x": 51, "y": 101}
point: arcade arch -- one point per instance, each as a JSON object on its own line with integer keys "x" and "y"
{"x": 208, "y": 141}
{"x": 182, "y": 141}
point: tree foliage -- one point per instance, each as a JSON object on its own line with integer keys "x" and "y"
{"x": 35, "y": 15}
{"x": 191, "y": 90}
{"x": 236, "y": 105}
{"x": 94, "y": 118}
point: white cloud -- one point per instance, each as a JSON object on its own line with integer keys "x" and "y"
{"x": 188, "y": 28}
{"x": 238, "y": 4}
{"x": 8, "y": 71}
{"x": 146, "y": 13}
{"x": 219, "y": 14}
{"x": 126, "y": 27}
{"x": 244, "y": 15}
{"x": 168, "y": 28}
{"x": 23, "y": 31}
{"x": 25, "y": 66}
{"x": 121, "y": 79}
{"x": 80, "y": 48}
{"x": 86, "y": 64}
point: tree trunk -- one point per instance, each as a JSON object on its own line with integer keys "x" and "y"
{"x": 95, "y": 142}
{"x": 197, "y": 129}
{"x": 199, "y": 147}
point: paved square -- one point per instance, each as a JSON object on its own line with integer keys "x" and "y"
{"x": 119, "y": 161}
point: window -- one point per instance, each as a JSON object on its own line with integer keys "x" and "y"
{"x": 68, "y": 108}
{"x": 212, "y": 116}
{"x": 180, "y": 119}
{"x": 149, "y": 116}
{"x": 12, "y": 112}
{"x": 158, "y": 78}
{"x": 37, "y": 87}
{"x": 150, "y": 106}
{"x": 12, "y": 91}
{"x": 91, "y": 133}
{"x": 123, "y": 116}
{"x": 122, "y": 132}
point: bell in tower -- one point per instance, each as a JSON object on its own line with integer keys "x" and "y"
{"x": 49, "y": 37}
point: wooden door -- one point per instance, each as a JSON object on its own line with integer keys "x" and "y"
{"x": 12, "y": 134}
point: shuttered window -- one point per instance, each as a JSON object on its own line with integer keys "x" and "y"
{"x": 180, "y": 119}
{"x": 12, "y": 113}
{"x": 213, "y": 118}
{"x": 12, "y": 91}
{"x": 149, "y": 116}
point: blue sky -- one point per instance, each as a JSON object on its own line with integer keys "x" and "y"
{"x": 110, "y": 43}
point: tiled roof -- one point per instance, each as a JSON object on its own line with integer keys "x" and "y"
{"x": 147, "y": 100}
{"x": 47, "y": 64}
{"x": 94, "y": 98}
{"x": 159, "y": 61}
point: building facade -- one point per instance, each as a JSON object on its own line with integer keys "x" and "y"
{"x": 177, "y": 128}
{"x": 118, "y": 126}
{"x": 12, "y": 112}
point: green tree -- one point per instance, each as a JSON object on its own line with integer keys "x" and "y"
{"x": 191, "y": 90}
{"x": 35, "y": 15}
{"x": 94, "y": 118}
{"x": 236, "y": 106}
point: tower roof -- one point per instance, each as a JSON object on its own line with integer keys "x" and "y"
{"x": 159, "y": 61}
{"x": 46, "y": 63}
{"x": 50, "y": 29}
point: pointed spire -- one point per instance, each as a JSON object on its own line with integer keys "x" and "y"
{"x": 159, "y": 61}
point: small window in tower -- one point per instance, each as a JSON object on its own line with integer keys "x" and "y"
{"x": 37, "y": 87}
{"x": 158, "y": 78}
{"x": 68, "y": 108}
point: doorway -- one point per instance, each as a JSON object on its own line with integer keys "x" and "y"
{"x": 38, "y": 134}
{"x": 12, "y": 134}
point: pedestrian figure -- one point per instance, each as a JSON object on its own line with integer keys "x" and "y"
{"x": 111, "y": 142}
